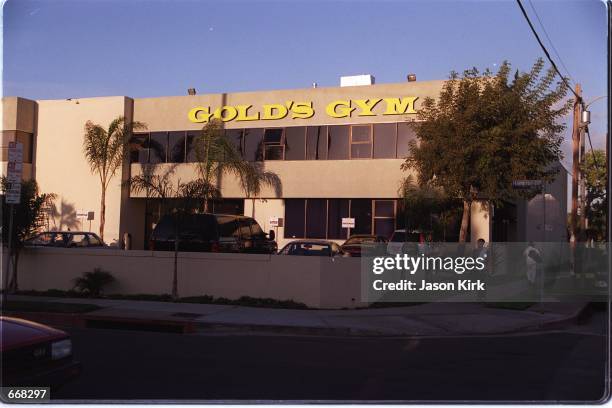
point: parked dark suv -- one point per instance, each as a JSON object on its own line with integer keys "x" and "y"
{"x": 212, "y": 233}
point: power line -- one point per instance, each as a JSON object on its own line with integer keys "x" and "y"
{"x": 535, "y": 33}
{"x": 550, "y": 41}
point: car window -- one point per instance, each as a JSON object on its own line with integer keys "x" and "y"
{"x": 255, "y": 228}
{"x": 398, "y": 236}
{"x": 79, "y": 240}
{"x": 42, "y": 239}
{"x": 94, "y": 240}
{"x": 229, "y": 227}
{"x": 61, "y": 240}
{"x": 245, "y": 229}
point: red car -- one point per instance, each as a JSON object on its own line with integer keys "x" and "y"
{"x": 35, "y": 355}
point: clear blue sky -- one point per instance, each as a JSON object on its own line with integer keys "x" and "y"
{"x": 63, "y": 49}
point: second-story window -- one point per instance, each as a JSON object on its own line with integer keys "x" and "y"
{"x": 361, "y": 142}
{"x": 274, "y": 144}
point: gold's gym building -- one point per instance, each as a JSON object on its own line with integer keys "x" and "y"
{"x": 337, "y": 152}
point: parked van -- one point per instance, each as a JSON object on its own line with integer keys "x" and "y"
{"x": 212, "y": 233}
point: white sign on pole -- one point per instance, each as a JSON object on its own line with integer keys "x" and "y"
{"x": 348, "y": 223}
{"x": 15, "y": 152}
{"x": 273, "y": 221}
{"x": 14, "y": 172}
{"x": 13, "y": 193}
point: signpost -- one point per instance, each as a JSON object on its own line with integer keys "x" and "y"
{"x": 348, "y": 223}
{"x": 12, "y": 196}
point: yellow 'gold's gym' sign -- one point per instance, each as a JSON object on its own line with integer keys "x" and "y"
{"x": 303, "y": 110}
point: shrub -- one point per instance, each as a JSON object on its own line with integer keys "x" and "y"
{"x": 92, "y": 283}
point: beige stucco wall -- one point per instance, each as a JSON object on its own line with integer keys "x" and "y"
{"x": 61, "y": 167}
{"x": 319, "y": 282}
{"x": 18, "y": 114}
{"x": 170, "y": 113}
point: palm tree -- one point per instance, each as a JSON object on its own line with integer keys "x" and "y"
{"x": 105, "y": 150}
{"x": 217, "y": 155}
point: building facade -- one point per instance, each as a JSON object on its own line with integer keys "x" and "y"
{"x": 337, "y": 153}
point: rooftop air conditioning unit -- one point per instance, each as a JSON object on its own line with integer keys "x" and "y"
{"x": 357, "y": 80}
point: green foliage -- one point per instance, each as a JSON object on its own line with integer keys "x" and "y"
{"x": 92, "y": 283}
{"x": 486, "y": 130}
{"x": 105, "y": 150}
{"x": 596, "y": 206}
{"x": 25, "y": 214}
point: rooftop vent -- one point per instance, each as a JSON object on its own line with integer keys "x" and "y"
{"x": 357, "y": 80}
{"x": 411, "y": 77}
{"x": 191, "y": 91}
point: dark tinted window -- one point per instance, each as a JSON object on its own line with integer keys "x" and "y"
{"x": 176, "y": 147}
{"x": 337, "y": 209}
{"x": 235, "y": 136}
{"x": 253, "y": 144}
{"x": 190, "y": 146}
{"x": 316, "y": 142}
{"x": 384, "y": 140}
{"x": 197, "y": 226}
{"x": 384, "y": 226}
{"x": 361, "y": 133}
{"x": 338, "y": 143}
{"x": 361, "y": 210}
{"x": 405, "y": 134}
{"x": 255, "y": 228}
{"x": 316, "y": 216}
{"x": 295, "y": 143}
{"x": 158, "y": 143}
{"x": 138, "y": 150}
{"x": 273, "y": 136}
{"x": 228, "y": 227}
{"x": 384, "y": 208}
{"x": 294, "y": 217}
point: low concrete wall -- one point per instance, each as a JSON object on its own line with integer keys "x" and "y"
{"x": 318, "y": 282}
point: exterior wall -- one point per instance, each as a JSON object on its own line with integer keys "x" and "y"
{"x": 61, "y": 167}
{"x": 170, "y": 113}
{"x": 18, "y": 114}
{"x": 315, "y": 281}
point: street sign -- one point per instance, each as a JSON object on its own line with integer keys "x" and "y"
{"x": 14, "y": 172}
{"x": 15, "y": 152}
{"x": 90, "y": 216}
{"x": 348, "y": 223}
{"x": 13, "y": 193}
{"x": 275, "y": 221}
{"x": 526, "y": 184}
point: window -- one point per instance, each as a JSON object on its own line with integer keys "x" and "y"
{"x": 316, "y": 143}
{"x": 405, "y": 135}
{"x": 273, "y": 143}
{"x": 228, "y": 227}
{"x": 295, "y": 143}
{"x": 295, "y": 214}
{"x": 253, "y": 141}
{"x": 384, "y": 217}
{"x": 361, "y": 142}
{"x": 385, "y": 135}
{"x": 191, "y": 154}
{"x": 236, "y": 137}
{"x": 316, "y": 218}
{"x": 336, "y": 210}
{"x": 338, "y": 143}
{"x": 361, "y": 211}
{"x": 176, "y": 147}
{"x": 139, "y": 153}
{"x": 158, "y": 143}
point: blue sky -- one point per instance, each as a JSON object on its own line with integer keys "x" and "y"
{"x": 63, "y": 49}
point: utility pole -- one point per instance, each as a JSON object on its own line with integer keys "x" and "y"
{"x": 582, "y": 193}
{"x": 575, "y": 162}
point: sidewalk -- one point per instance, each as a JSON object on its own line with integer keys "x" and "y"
{"x": 431, "y": 319}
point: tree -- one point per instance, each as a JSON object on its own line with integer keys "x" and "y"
{"x": 105, "y": 150}
{"x": 175, "y": 200}
{"x": 217, "y": 155}
{"x": 596, "y": 178}
{"x": 26, "y": 222}
{"x": 485, "y": 130}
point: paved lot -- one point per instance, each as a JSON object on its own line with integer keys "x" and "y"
{"x": 144, "y": 365}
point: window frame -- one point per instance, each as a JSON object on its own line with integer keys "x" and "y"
{"x": 280, "y": 144}
{"x": 370, "y": 142}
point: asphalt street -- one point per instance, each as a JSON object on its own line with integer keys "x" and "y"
{"x": 128, "y": 365}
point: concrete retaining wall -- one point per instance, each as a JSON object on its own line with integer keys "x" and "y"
{"x": 318, "y": 282}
